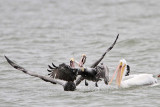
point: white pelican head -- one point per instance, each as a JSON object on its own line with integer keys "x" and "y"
{"x": 121, "y": 72}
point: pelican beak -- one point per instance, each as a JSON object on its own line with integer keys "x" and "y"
{"x": 120, "y": 73}
{"x": 72, "y": 62}
{"x": 83, "y": 60}
{"x": 118, "y": 68}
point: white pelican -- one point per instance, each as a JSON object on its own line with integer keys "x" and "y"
{"x": 124, "y": 81}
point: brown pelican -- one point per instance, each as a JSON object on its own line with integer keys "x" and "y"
{"x": 69, "y": 72}
{"x": 96, "y": 72}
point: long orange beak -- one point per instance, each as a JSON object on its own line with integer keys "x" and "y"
{"x": 117, "y": 69}
{"x": 120, "y": 75}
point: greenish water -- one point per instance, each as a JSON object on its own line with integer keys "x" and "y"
{"x": 35, "y": 33}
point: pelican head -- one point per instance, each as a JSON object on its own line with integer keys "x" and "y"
{"x": 72, "y": 61}
{"x": 83, "y": 60}
{"x": 121, "y": 72}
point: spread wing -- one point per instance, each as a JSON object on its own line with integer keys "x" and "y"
{"x": 47, "y": 79}
{"x": 79, "y": 79}
{"x": 103, "y": 55}
{"x": 63, "y": 72}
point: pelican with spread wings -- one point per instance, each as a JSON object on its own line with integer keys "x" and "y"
{"x": 94, "y": 73}
{"x": 97, "y": 72}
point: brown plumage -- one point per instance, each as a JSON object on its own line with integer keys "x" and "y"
{"x": 67, "y": 73}
{"x": 63, "y": 72}
{"x": 81, "y": 78}
{"x": 47, "y": 79}
{"x": 68, "y": 86}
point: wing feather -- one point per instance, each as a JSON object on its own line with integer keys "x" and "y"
{"x": 47, "y": 79}
{"x": 63, "y": 72}
{"x": 103, "y": 55}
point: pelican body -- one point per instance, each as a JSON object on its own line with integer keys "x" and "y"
{"x": 138, "y": 80}
{"x": 95, "y": 74}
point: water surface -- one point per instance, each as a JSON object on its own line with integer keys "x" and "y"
{"x": 35, "y": 33}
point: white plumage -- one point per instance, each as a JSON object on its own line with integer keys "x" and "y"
{"x": 131, "y": 80}
{"x": 138, "y": 80}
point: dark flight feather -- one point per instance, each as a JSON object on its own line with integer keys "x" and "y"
{"x": 63, "y": 72}
{"x": 47, "y": 79}
{"x": 103, "y": 55}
